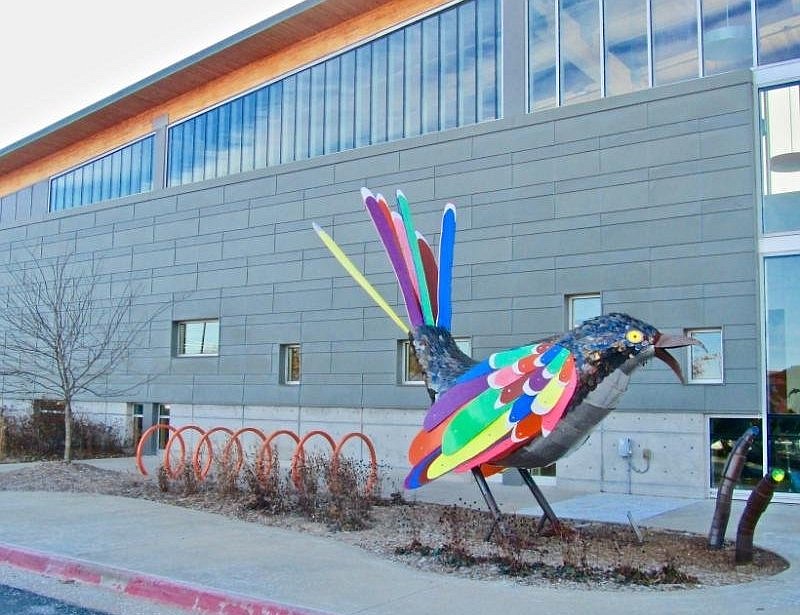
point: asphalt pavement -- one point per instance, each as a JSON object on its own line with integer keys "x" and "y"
{"x": 212, "y": 564}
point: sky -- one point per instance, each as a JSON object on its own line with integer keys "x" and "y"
{"x": 60, "y": 56}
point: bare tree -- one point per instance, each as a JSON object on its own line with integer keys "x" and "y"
{"x": 65, "y": 331}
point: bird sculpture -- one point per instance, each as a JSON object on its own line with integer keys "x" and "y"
{"x": 521, "y": 408}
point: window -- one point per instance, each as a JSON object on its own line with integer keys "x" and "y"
{"x": 723, "y": 433}
{"x": 196, "y": 338}
{"x": 410, "y": 369}
{"x": 437, "y": 73}
{"x": 290, "y": 361}
{"x": 705, "y": 365}
{"x": 625, "y": 40}
{"x": 583, "y": 307}
{"x": 675, "y": 52}
{"x": 727, "y": 36}
{"x": 580, "y": 50}
{"x": 780, "y": 158}
{"x": 778, "y": 24}
{"x": 126, "y": 171}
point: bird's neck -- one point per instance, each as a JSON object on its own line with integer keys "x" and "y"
{"x": 441, "y": 359}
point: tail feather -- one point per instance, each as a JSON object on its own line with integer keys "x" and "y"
{"x": 381, "y": 218}
{"x": 424, "y": 296}
{"x": 431, "y": 273}
{"x": 445, "y": 285}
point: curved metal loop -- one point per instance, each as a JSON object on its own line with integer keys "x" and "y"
{"x": 226, "y": 452}
{"x": 264, "y": 457}
{"x": 146, "y": 436}
{"x": 168, "y": 450}
{"x": 202, "y": 473}
{"x": 299, "y": 457}
{"x": 372, "y": 480}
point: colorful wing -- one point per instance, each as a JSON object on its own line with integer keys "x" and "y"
{"x": 497, "y": 406}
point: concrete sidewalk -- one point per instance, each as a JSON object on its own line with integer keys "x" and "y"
{"x": 205, "y": 560}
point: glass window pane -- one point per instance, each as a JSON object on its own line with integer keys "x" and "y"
{"x": 248, "y": 132}
{"x": 199, "y": 156}
{"x": 580, "y": 50}
{"x": 584, "y": 307}
{"x": 541, "y": 55}
{"x": 210, "y": 140}
{"x": 303, "y": 118}
{"x": 780, "y": 152}
{"x": 198, "y": 337}
{"x": 174, "y": 149}
{"x": 626, "y": 46}
{"x": 363, "y": 98}
{"x": 430, "y": 74}
{"x": 235, "y": 149}
{"x": 488, "y": 73}
{"x": 394, "y": 85}
{"x": 332, "y": 105}
{"x": 448, "y": 69}
{"x": 136, "y": 170}
{"x": 116, "y": 169}
{"x": 413, "y": 81}
{"x": 782, "y": 290}
{"x": 288, "y": 112}
{"x": 106, "y": 191}
{"x": 275, "y": 123}
{"x": 778, "y": 23}
{"x": 727, "y": 36}
{"x": 467, "y": 51}
{"x": 291, "y": 363}
{"x": 378, "y": 93}
{"x": 706, "y": 364}
{"x": 187, "y": 156}
{"x": 147, "y": 165}
{"x": 347, "y": 101}
{"x": 674, "y": 40}
{"x": 317, "y": 111}
{"x": 261, "y": 130}
{"x": 223, "y": 140}
{"x": 723, "y": 434}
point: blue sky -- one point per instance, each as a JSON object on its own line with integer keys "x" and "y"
{"x": 59, "y": 57}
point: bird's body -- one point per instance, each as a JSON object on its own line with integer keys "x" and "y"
{"x": 523, "y": 407}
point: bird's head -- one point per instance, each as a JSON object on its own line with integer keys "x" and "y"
{"x": 613, "y": 341}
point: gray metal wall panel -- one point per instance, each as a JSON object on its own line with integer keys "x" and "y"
{"x": 647, "y": 198}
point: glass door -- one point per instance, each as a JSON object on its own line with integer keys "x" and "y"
{"x": 782, "y": 309}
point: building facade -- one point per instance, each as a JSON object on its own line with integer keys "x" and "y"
{"x": 639, "y": 156}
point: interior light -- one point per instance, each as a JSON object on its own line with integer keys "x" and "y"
{"x": 785, "y": 163}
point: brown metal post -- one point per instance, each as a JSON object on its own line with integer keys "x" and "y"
{"x": 756, "y": 505}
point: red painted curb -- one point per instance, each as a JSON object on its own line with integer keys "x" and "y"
{"x": 193, "y": 598}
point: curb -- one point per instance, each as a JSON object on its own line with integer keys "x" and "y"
{"x": 193, "y": 598}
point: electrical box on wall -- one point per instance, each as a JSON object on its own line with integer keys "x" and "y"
{"x": 625, "y": 447}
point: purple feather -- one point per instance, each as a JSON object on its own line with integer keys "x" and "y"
{"x": 452, "y": 400}
{"x": 389, "y": 240}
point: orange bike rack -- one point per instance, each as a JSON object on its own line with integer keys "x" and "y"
{"x": 168, "y": 450}
{"x": 299, "y": 457}
{"x": 201, "y": 473}
{"x": 373, "y": 459}
{"x": 264, "y": 456}
{"x": 146, "y": 436}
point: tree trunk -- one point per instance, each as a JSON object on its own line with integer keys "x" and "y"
{"x": 68, "y": 431}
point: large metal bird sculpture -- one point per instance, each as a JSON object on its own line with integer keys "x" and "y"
{"x": 521, "y": 408}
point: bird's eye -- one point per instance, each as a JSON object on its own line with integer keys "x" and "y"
{"x": 634, "y": 336}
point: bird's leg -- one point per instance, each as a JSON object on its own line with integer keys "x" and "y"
{"x": 491, "y": 503}
{"x": 548, "y": 514}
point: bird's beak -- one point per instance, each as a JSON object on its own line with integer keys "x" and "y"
{"x": 665, "y": 341}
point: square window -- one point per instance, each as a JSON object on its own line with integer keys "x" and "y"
{"x": 723, "y": 433}
{"x": 583, "y": 307}
{"x": 197, "y": 338}
{"x": 290, "y": 360}
{"x": 705, "y": 365}
{"x": 410, "y": 369}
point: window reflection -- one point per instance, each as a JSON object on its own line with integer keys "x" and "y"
{"x": 727, "y": 36}
{"x": 541, "y": 55}
{"x": 780, "y": 150}
{"x": 782, "y": 283}
{"x": 778, "y": 23}
{"x": 675, "y": 55}
{"x": 580, "y": 50}
{"x": 626, "y": 46}
{"x": 723, "y": 433}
